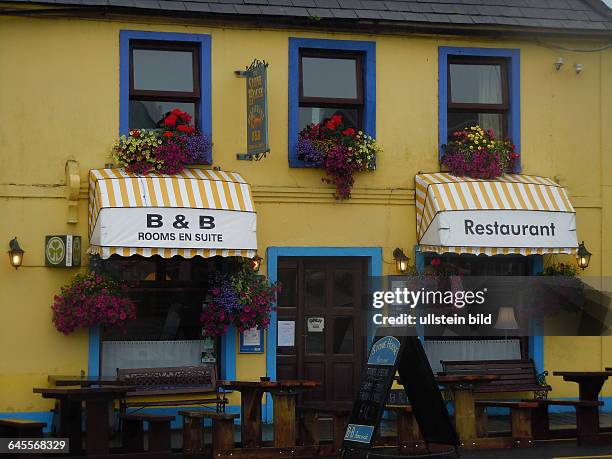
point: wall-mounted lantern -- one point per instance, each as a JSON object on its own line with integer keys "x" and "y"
{"x": 256, "y": 262}
{"x": 583, "y": 256}
{"x": 401, "y": 260}
{"x": 15, "y": 253}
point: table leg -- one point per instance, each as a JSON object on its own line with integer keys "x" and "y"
{"x": 587, "y": 417}
{"x": 465, "y": 413}
{"x": 284, "y": 418}
{"x": 70, "y": 424}
{"x": 96, "y": 426}
{"x": 250, "y": 417}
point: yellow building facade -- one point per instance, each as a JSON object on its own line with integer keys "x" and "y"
{"x": 60, "y": 93}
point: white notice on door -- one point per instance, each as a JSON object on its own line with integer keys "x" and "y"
{"x": 286, "y": 333}
{"x": 316, "y": 324}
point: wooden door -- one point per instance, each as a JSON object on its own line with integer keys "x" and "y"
{"x": 324, "y": 297}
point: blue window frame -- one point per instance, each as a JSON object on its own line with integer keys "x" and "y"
{"x": 204, "y": 114}
{"x": 512, "y": 56}
{"x": 369, "y": 84}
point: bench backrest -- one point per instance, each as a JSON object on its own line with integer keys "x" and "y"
{"x": 201, "y": 375}
{"x": 514, "y": 375}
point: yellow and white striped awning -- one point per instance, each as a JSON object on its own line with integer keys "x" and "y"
{"x": 513, "y": 214}
{"x": 194, "y": 213}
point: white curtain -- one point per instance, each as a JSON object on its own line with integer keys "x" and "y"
{"x": 498, "y": 349}
{"x": 149, "y": 354}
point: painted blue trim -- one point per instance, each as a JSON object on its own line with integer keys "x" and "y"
{"x": 93, "y": 364}
{"x": 374, "y": 254}
{"x": 205, "y": 113}
{"x": 369, "y": 75}
{"x": 514, "y": 87}
{"x": 228, "y": 354}
{"x": 536, "y": 341}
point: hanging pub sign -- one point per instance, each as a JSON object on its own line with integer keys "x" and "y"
{"x": 257, "y": 110}
{"x": 62, "y": 251}
{"x": 403, "y": 354}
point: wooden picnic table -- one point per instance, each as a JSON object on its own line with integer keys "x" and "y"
{"x": 284, "y": 395}
{"x": 98, "y": 401}
{"x": 587, "y": 417}
{"x": 462, "y": 388}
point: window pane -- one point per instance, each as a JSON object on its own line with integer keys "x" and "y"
{"x": 460, "y": 120}
{"x": 287, "y": 297}
{"x": 144, "y": 114}
{"x": 312, "y": 115}
{"x": 315, "y": 340}
{"x": 344, "y": 282}
{"x": 343, "y": 335}
{"x": 476, "y": 84}
{"x": 329, "y": 78}
{"x": 315, "y": 287}
{"x": 157, "y": 70}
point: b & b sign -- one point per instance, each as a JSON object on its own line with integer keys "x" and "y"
{"x": 171, "y": 228}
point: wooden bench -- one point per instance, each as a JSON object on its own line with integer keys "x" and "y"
{"x": 132, "y": 432}
{"x": 22, "y": 428}
{"x": 193, "y": 433}
{"x": 196, "y": 385}
{"x": 514, "y": 376}
{"x": 309, "y": 417}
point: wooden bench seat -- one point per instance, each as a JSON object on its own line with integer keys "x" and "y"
{"x": 197, "y": 384}
{"x": 193, "y": 433}
{"x": 21, "y": 428}
{"x": 520, "y": 418}
{"x": 132, "y": 432}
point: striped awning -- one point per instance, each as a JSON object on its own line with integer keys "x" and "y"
{"x": 513, "y": 214}
{"x": 194, "y": 213}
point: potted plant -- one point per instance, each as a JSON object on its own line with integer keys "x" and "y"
{"x": 340, "y": 150}
{"x": 165, "y": 150}
{"x": 475, "y": 152}
{"x": 92, "y": 299}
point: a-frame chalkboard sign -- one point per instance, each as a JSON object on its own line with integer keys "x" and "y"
{"x": 405, "y": 354}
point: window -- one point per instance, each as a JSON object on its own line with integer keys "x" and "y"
{"x": 479, "y": 86}
{"x": 331, "y": 83}
{"x": 329, "y": 77}
{"x": 477, "y": 94}
{"x": 163, "y": 76}
{"x": 160, "y": 71}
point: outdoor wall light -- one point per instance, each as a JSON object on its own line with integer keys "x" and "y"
{"x": 256, "y": 262}
{"x": 559, "y": 63}
{"x": 579, "y": 68}
{"x": 583, "y": 256}
{"x": 15, "y": 253}
{"x": 401, "y": 260}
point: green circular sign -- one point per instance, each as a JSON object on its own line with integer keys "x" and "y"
{"x": 55, "y": 250}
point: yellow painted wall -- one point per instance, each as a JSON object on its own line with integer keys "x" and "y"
{"x": 59, "y": 83}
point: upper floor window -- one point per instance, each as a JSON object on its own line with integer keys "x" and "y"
{"x": 479, "y": 86}
{"x": 327, "y": 78}
{"x": 163, "y": 76}
{"x": 331, "y": 83}
{"x": 477, "y": 94}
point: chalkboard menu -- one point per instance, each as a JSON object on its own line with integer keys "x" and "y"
{"x": 406, "y": 355}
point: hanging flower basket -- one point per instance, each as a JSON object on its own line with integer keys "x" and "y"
{"x": 92, "y": 299}
{"x": 165, "y": 150}
{"x": 474, "y": 152}
{"x": 338, "y": 149}
{"x": 243, "y": 299}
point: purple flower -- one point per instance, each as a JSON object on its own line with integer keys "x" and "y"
{"x": 306, "y": 151}
{"x": 198, "y": 148}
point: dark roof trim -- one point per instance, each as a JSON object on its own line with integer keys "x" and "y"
{"x": 368, "y": 26}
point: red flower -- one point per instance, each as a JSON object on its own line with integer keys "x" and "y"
{"x": 336, "y": 119}
{"x": 349, "y": 131}
{"x": 135, "y": 133}
{"x": 186, "y": 117}
{"x": 330, "y": 125}
{"x": 170, "y": 120}
{"x": 436, "y": 262}
{"x": 168, "y": 134}
{"x": 183, "y": 128}
{"x": 176, "y": 112}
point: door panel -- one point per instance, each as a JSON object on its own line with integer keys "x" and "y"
{"x": 324, "y": 297}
